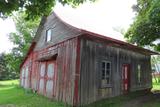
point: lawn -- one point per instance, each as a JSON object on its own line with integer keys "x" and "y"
{"x": 12, "y": 94}
{"x": 156, "y": 86}
{"x": 15, "y": 96}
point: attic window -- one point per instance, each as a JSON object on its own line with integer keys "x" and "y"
{"x": 48, "y": 35}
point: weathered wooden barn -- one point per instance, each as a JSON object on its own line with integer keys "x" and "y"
{"x": 79, "y": 67}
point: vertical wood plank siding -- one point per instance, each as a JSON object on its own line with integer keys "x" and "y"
{"x": 92, "y": 52}
{"x": 60, "y": 32}
{"x": 64, "y": 40}
{"x": 77, "y": 56}
{"x": 64, "y": 81}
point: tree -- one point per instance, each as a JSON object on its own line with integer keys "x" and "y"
{"x": 146, "y": 28}
{"x": 5, "y": 73}
{"x": 22, "y": 38}
{"x": 3, "y": 70}
{"x": 25, "y": 31}
{"x": 34, "y": 8}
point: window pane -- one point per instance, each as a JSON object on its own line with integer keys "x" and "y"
{"x": 103, "y": 74}
{"x": 103, "y": 65}
{"x": 49, "y": 35}
{"x": 108, "y": 65}
{"x": 107, "y": 72}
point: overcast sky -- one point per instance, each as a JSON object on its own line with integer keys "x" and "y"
{"x": 103, "y": 17}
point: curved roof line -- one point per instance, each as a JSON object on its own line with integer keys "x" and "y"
{"x": 89, "y": 33}
{"x": 83, "y": 31}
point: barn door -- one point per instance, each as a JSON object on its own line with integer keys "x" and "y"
{"x": 26, "y": 80}
{"x": 42, "y": 78}
{"x": 50, "y": 78}
{"x": 25, "y": 77}
{"x": 125, "y": 78}
{"x": 22, "y": 77}
{"x": 46, "y": 78}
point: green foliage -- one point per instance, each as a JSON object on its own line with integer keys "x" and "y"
{"x": 22, "y": 38}
{"x": 5, "y": 73}
{"x": 34, "y": 8}
{"x": 156, "y": 86}
{"x": 146, "y": 27}
{"x": 3, "y": 69}
{"x": 25, "y": 32}
{"x": 12, "y": 66}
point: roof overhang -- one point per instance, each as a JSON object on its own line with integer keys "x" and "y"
{"x": 118, "y": 43}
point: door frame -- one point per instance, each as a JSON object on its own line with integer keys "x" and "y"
{"x": 125, "y": 78}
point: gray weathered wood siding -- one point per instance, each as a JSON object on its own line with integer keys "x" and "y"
{"x": 60, "y": 32}
{"x": 92, "y": 52}
{"x": 66, "y": 67}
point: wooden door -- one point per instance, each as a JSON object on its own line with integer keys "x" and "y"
{"x": 46, "y": 78}
{"x": 26, "y": 81}
{"x": 42, "y": 77}
{"x": 50, "y": 73}
{"x": 125, "y": 78}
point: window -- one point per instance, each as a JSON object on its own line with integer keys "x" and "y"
{"x": 48, "y": 35}
{"x": 139, "y": 73}
{"x": 106, "y": 72}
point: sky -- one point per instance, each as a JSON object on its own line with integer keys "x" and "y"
{"x": 6, "y": 26}
{"x": 105, "y": 17}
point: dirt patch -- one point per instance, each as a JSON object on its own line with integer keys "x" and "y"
{"x": 140, "y": 101}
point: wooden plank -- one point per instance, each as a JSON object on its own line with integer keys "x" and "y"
{"x": 92, "y": 50}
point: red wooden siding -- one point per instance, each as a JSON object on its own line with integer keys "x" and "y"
{"x": 65, "y": 58}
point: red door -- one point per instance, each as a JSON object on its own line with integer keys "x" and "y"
{"x": 125, "y": 78}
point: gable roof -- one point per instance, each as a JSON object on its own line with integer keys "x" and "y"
{"x": 114, "y": 42}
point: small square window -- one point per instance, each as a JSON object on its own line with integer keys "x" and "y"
{"x": 48, "y": 35}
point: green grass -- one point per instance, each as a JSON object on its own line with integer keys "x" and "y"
{"x": 118, "y": 101}
{"x": 11, "y": 93}
{"x": 156, "y": 86}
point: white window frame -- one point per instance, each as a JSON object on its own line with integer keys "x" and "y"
{"x": 48, "y": 35}
{"x": 106, "y": 75}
